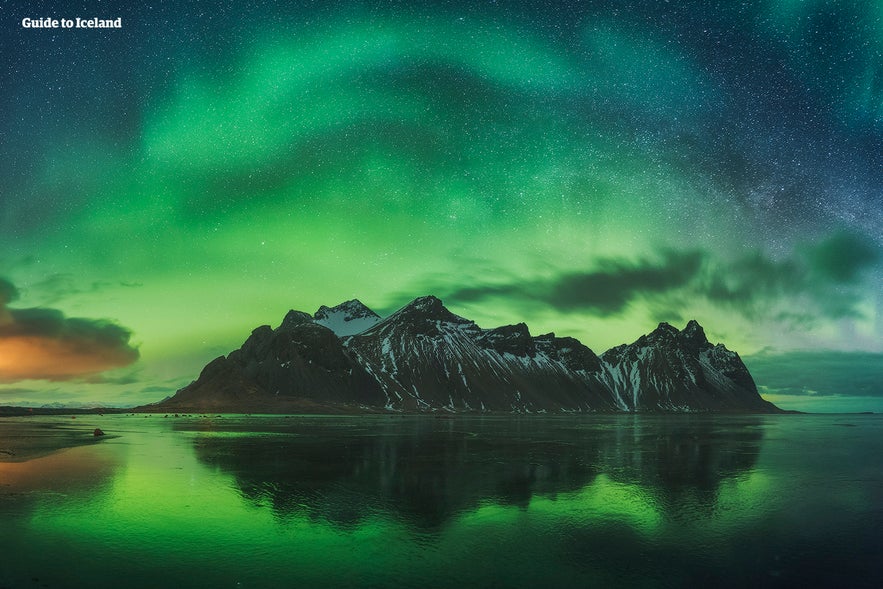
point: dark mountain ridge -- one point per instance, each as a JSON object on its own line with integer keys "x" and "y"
{"x": 425, "y": 358}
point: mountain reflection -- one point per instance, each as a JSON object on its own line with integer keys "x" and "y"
{"x": 682, "y": 460}
{"x": 425, "y": 471}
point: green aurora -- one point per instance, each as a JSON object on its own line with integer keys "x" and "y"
{"x": 589, "y": 168}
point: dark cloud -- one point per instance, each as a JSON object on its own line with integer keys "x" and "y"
{"x": 42, "y": 343}
{"x": 816, "y": 281}
{"x": 477, "y": 293}
{"x": 8, "y": 292}
{"x": 607, "y": 290}
{"x": 616, "y": 283}
{"x": 13, "y": 391}
{"x": 104, "y": 379}
{"x": 819, "y": 373}
{"x": 842, "y": 258}
{"x": 159, "y": 389}
{"x": 753, "y": 284}
{"x": 816, "y": 278}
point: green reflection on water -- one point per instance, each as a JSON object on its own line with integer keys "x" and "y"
{"x": 604, "y": 500}
{"x": 564, "y": 503}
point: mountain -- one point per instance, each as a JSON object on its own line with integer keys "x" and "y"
{"x": 671, "y": 370}
{"x": 299, "y": 366}
{"x": 425, "y": 358}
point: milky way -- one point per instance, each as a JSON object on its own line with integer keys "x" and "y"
{"x": 591, "y": 168}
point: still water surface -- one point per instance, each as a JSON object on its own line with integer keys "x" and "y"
{"x": 380, "y": 501}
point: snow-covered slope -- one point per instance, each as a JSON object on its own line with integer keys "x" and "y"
{"x": 348, "y": 318}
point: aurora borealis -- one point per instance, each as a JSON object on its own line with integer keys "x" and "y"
{"x": 590, "y": 168}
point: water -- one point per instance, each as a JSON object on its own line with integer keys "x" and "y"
{"x": 609, "y": 501}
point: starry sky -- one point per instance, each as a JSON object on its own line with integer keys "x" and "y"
{"x": 591, "y": 168}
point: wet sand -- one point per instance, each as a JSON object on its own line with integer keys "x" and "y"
{"x": 22, "y": 439}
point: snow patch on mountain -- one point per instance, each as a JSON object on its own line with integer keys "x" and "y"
{"x": 348, "y": 318}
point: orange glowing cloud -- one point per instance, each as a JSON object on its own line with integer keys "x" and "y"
{"x": 42, "y": 343}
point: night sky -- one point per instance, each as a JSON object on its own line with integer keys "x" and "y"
{"x": 590, "y": 168}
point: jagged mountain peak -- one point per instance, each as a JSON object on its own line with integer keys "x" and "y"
{"x": 515, "y": 339}
{"x": 348, "y": 318}
{"x": 517, "y": 330}
{"x": 428, "y": 308}
{"x": 693, "y": 325}
{"x": 665, "y": 333}
{"x": 294, "y": 318}
{"x": 694, "y": 335}
{"x": 429, "y": 304}
{"x": 352, "y": 309}
{"x": 665, "y": 328}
